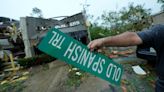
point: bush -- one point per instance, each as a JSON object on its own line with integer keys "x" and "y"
{"x": 33, "y": 61}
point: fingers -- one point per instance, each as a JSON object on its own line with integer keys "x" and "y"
{"x": 94, "y": 45}
{"x": 90, "y": 46}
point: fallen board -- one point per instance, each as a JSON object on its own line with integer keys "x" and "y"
{"x": 63, "y": 47}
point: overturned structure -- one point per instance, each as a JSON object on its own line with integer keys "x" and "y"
{"x": 158, "y": 18}
{"x": 34, "y": 29}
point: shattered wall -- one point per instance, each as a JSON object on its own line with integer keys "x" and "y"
{"x": 158, "y": 18}
{"x": 34, "y": 29}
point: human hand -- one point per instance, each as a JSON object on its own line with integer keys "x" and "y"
{"x": 96, "y": 44}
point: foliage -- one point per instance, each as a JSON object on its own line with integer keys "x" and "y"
{"x": 100, "y": 32}
{"x": 41, "y": 59}
{"x": 74, "y": 79}
{"x": 37, "y": 12}
{"x": 160, "y": 1}
{"x": 133, "y": 18}
{"x": 96, "y": 32}
{"x": 162, "y": 4}
{"x": 111, "y": 18}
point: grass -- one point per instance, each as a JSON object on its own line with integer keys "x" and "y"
{"x": 12, "y": 87}
{"x": 74, "y": 79}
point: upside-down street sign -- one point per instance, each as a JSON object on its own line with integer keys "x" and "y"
{"x": 69, "y": 50}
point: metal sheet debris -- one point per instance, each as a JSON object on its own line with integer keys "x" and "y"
{"x": 138, "y": 70}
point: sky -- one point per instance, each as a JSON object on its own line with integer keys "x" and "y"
{"x": 52, "y": 8}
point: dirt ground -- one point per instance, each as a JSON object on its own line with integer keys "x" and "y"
{"x": 53, "y": 79}
{"x": 53, "y": 76}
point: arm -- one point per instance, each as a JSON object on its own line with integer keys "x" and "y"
{"x": 124, "y": 39}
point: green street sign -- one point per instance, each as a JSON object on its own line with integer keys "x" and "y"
{"x": 69, "y": 50}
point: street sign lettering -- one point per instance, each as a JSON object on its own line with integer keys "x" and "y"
{"x": 63, "y": 47}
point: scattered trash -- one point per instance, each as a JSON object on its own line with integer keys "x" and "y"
{"x": 70, "y": 70}
{"x": 15, "y": 77}
{"x": 125, "y": 82}
{"x": 26, "y": 73}
{"x": 138, "y": 70}
{"x": 20, "y": 79}
{"x": 78, "y": 73}
{"x": 2, "y": 76}
{"x": 74, "y": 69}
{"x": 114, "y": 52}
{"x": 113, "y": 56}
{"x": 3, "y": 82}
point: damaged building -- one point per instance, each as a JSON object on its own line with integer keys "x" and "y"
{"x": 34, "y": 29}
{"x": 10, "y": 36}
{"x": 158, "y": 18}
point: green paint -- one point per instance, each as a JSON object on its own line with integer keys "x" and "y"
{"x": 63, "y": 47}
